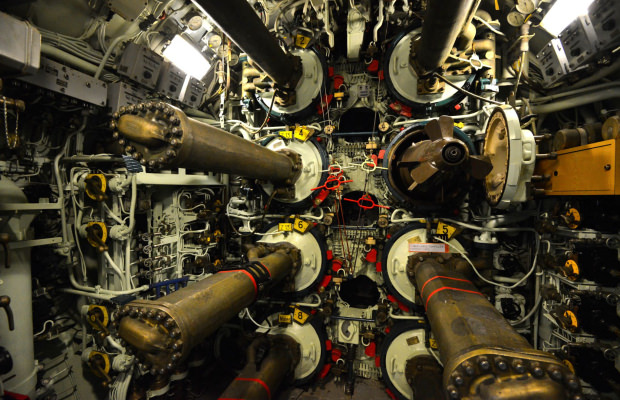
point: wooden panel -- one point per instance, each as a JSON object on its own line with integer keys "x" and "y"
{"x": 581, "y": 171}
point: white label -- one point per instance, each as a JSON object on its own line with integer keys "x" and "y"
{"x": 428, "y": 248}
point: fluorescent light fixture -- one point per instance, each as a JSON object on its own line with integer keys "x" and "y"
{"x": 562, "y": 13}
{"x": 187, "y": 57}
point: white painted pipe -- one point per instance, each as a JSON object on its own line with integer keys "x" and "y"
{"x": 375, "y": 32}
{"x": 16, "y": 282}
{"x": 588, "y": 98}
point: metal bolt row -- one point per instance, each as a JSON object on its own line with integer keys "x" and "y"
{"x": 161, "y": 318}
{"x": 468, "y": 369}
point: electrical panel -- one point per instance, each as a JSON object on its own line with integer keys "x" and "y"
{"x": 193, "y": 92}
{"x": 171, "y": 80}
{"x": 121, "y": 94}
{"x": 62, "y": 79}
{"x": 141, "y": 65}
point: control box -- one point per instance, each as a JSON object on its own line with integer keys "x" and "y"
{"x": 141, "y": 65}
{"x": 171, "y": 80}
{"x": 193, "y": 93}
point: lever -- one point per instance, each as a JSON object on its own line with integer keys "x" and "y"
{"x": 4, "y": 241}
{"x": 5, "y": 302}
{"x": 94, "y": 188}
{"x": 94, "y": 234}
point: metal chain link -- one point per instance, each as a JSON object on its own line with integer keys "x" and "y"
{"x": 11, "y": 139}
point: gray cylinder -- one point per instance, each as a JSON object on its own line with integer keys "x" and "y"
{"x": 16, "y": 282}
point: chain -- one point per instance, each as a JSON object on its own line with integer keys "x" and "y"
{"x": 6, "y": 120}
{"x": 12, "y": 140}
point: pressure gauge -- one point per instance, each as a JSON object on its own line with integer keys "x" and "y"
{"x": 515, "y": 18}
{"x": 527, "y": 6}
{"x": 214, "y": 40}
{"x": 195, "y": 23}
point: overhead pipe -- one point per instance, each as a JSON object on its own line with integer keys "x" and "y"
{"x": 160, "y": 135}
{"x": 444, "y": 22}
{"x": 164, "y": 331}
{"x": 239, "y": 21}
{"x": 611, "y": 92}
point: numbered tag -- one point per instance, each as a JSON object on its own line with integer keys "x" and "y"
{"x": 286, "y": 134}
{"x": 302, "y": 41}
{"x": 433, "y": 344}
{"x": 285, "y": 319}
{"x": 300, "y": 317}
{"x": 302, "y": 133}
{"x": 285, "y": 227}
{"x": 445, "y": 231}
{"x": 301, "y": 226}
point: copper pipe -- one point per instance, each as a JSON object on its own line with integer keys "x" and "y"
{"x": 163, "y": 136}
{"x": 164, "y": 331}
{"x": 261, "y": 379}
{"x": 483, "y": 356}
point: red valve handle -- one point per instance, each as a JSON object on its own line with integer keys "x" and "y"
{"x": 333, "y": 183}
{"x": 365, "y": 202}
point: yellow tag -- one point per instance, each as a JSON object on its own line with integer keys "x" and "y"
{"x": 285, "y": 227}
{"x": 302, "y": 133}
{"x": 301, "y": 226}
{"x": 302, "y": 41}
{"x": 433, "y": 344}
{"x": 496, "y": 5}
{"x": 445, "y": 230}
{"x": 415, "y": 239}
{"x": 299, "y": 316}
{"x": 338, "y": 95}
{"x": 459, "y": 125}
{"x": 285, "y": 319}
{"x": 286, "y": 134}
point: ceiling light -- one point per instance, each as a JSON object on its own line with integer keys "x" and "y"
{"x": 187, "y": 57}
{"x": 562, "y": 13}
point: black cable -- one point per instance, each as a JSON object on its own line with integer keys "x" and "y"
{"x": 460, "y": 89}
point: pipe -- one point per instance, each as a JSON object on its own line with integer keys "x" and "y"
{"x": 482, "y": 354}
{"x": 606, "y": 94}
{"x": 57, "y": 54}
{"x": 375, "y": 31}
{"x": 164, "y": 331}
{"x": 238, "y": 20}
{"x": 163, "y": 135}
{"x": 574, "y": 92}
{"x": 261, "y": 379}
{"x": 443, "y": 23}
{"x": 598, "y": 75}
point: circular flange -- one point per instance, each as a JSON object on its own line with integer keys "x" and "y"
{"x": 313, "y": 255}
{"x": 403, "y": 343}
{"x": 402, "y": 79}
{"x": 392, "y": 174}
{"x": 311, "y": 339}
{"x": 313, "y": 170}
{"x": 395, "y": 259}
{"x": 307, "y": 90}
{"x": 512, "y": 153}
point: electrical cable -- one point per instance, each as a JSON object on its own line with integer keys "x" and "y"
{"x": 519, "y": 282}
{"x": 460, "y": 89}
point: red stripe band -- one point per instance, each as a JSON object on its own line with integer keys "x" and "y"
{"x": 443, "y": 277}
{"x": 266, "y": 269}
{"x": 448, "y": 288}
{"x": 263, "y": 384}
{"x": 248, "y": 274}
